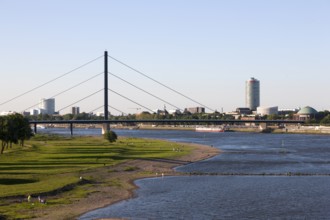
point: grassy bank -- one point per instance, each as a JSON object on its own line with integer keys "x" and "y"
{"x": 52, "y": 167}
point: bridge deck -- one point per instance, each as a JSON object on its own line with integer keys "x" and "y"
{"x": 169, "y": 121}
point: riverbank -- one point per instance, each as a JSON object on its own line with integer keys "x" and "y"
{"x": 116, "y": 183}
{"x": 77, "y": 175}
{"x": 289, "y": 129}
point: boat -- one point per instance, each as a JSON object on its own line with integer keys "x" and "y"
{"x": 209, "y": 129}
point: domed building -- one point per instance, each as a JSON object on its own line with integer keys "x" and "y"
{"x": 306, "y": 113}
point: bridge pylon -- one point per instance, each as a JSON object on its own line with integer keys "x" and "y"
{"x": 106, "y": 126}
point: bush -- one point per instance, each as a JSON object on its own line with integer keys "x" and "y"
{"x": 111, "y": 136}
{"x": 325, "y": 120}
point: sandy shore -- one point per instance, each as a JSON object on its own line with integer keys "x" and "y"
{"x": 115, "y": 183}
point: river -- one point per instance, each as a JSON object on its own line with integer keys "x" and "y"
{"x": 258, "y": 176}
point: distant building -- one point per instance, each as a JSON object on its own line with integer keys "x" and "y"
{"x": 243, "y": 111}
{"x": 252, "y": 93}
{"x": 35, "y": 111}
{"x": 160, "y": 111}
{"x": 75, "y": 110}
{"x": 195, "y": 110}
{"x": 174, "y": 111}
{"x": 100, "y": 114}
{"x": 24, "y": 113}
{"x": 267, "y": 111}
{"x": 288, "y": 110}
{"x": 306, "y": 113}
{"x": 6, "y": 113}
{"x": 47, "y": 106}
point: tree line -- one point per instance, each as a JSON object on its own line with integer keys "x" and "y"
{"x": 14, "y": 129}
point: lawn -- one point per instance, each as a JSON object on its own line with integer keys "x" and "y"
{"x": 47, "y": 163}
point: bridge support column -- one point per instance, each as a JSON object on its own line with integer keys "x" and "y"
{"x": 35, "y": 128}
{"x": 263, "y": 126}
{"x": 105, "y": 128}
{"x": 71, "y": 129}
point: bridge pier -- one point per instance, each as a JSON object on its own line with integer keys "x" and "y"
{"x": 262, "y": 126}
{"x": 105, "y": 128}
{"x": 71, "y": 129}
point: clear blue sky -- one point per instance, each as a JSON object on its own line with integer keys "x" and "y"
{"x": 204, "y": 49}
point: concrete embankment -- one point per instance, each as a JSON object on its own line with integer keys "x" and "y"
{"x": 304, "y": 129}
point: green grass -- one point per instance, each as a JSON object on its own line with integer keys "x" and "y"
{"x": 49, "y": 163}
{"x": 45, "y": 164}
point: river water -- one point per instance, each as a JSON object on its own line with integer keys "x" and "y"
{"x": 258, "y": 176}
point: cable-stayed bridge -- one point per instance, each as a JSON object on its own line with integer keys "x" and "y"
{"x": 105, "y": 89}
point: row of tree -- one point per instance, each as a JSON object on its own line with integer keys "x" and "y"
{"x": 14, "y": 129}
{"x": 143, "y": 115}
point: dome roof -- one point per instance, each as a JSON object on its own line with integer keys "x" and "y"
{"x": 307, "y": 111}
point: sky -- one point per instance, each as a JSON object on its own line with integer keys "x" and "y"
{"x": 205, "y": 50}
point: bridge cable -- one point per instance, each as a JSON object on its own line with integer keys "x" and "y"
{"x": 60, "y": 93}
{"x": 81, "y": 99}
{"x": 90, "y": 112}
{"x": 118, "y": 110}
{"x": 50, "y": 81}
{"x": 110, "y": 107}
{"x": 144, "y": 91}
{"x": 131, "y": 100}
{"x": 173, "y": 90}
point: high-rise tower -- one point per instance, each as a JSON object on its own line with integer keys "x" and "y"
{"x": 47, "y": 106}
{"x": 252, "y": 93}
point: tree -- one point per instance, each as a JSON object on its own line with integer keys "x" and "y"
{"x": 68, "y": 116}
{"x": 325, "y": 120}
{"x": 272, "y": 117}
{"x": 111, "y": 136}
{"x": 25, "y": 131}
{"x": 3, "y": 133}
{"x": 14, "y": 129}
{"x": 82, "y": 116}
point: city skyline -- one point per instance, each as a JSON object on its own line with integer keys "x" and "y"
{"x": 205, "y": 50}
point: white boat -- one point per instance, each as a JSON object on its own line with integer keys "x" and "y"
{"x": 209, "y": 129}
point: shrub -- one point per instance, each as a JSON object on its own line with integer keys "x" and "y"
{"x": 111, "y": 136}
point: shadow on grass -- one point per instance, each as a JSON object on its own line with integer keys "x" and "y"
{"x": 16, "y": 181}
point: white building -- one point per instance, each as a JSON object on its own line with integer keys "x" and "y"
{"x": 47, "y": 106}
{"x": 267, "y": 110}
{"x": 174, "y": 111}
{"x": 6, "y": 113}
{"x": 34, "y": 111}
{"x": 252, "y": 93}
{"x": 100, "y": 114}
